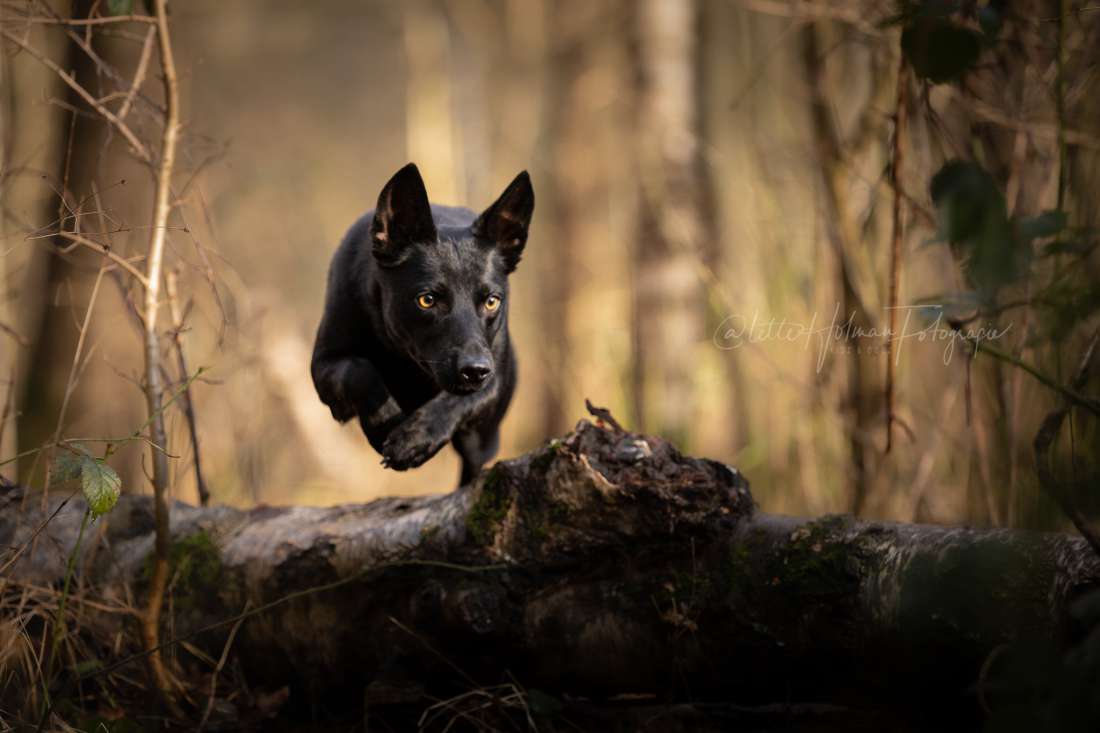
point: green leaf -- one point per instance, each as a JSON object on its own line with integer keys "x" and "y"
{"x": 67, "y": 463}
{"x": 1046, "y": 224}
{"x": 120, "y": 7}
{"x": 101, "y": 486}
{"x": 967, "y": 199}
{"x": 938, "y": 50}
{"x": 66, "y": 467}
{"x": 972, "y": 216}
{"x": 1068, "y": 247}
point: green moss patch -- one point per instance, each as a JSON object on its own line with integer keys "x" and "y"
{"x": 490, "y": 508}
{"x": 194, "y": 567}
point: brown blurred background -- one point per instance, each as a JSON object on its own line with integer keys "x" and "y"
{"x": 697, "y": 165}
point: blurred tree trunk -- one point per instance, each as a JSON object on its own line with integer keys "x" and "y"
{"x": 669, "y": 311}
{"x": 56, "y": 294}
{"x": 477, "y": 39}
{"x": 573, "y": 183}
{"x": 863, "y": 395}
{"x": 716, "y": 55}
{"x": 51, "y": 334}
{"x": 433, "y": 140}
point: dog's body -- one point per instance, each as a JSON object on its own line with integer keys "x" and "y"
{"x": 414, "y": 337}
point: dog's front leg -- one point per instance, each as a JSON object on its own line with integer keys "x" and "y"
{"x": 351, "y": 386}
{"x": 429, "y": 428}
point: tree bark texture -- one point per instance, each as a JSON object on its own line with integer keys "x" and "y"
{"x": 602, "y": 564}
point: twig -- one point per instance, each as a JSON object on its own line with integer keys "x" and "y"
{"x": 104, "y": 20}
{"x": 602, "y": 413}
{"x": 1073, "y": 395}
{"x": 70, "y": 383}
{"x": 136, "y": 435}
{"x": 188, "y": 404}
{"x": 435, "y": 651}
{"x": 218, "y": 668}
{"x": 1048, "y": 431}
{"x": 359, "y": 575}
{"x": 162, "y": 205}
{"x": 35, "y": 533}
{"x": 84, "y": 43}
{"x": 1040, "y": 128}
{"x": 808, "y": 12}
{"x": 139, "y": 74}
{"x": 107, "y": 114}
{"x": 19, "y": 338}
{"x": 9, "y": 401}
{"x": 1060, "y": 100}
{"x": 123, "y": 290}
{"x": 70, "y": 568}
{"x": 895, "y": 249}
{"x": 122, "y": 262}
{"x": 59, "y": 629}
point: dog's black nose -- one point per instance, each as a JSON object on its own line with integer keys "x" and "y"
{"x": 476, "y": 372}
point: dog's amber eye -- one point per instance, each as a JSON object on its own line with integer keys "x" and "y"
{"x": 426, "y": 301}
{"x": 492, "y": 303}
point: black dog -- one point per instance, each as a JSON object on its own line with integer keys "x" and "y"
{"x": 414, "y": 338}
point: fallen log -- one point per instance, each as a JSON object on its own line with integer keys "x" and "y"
{"x": 604, "y": 566}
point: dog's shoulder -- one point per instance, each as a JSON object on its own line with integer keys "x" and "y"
{"x": 350, "y": 267}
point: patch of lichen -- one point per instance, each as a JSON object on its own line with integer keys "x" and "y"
{"x": 194, "y": 567}
{"x": 541, "y": 461}
{"x": 490, "y": 508}
{"x": 817, "y": 559}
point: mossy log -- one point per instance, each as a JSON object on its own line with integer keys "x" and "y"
{"x": 604, "y": 564}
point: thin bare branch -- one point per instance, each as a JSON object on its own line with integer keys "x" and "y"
{"x": 9, "y": 403}
{"x": 84, "y": 43}
{"x": 161, "y": 208}
{"x": 220, "y": 666}
{"x": 896, "y": 240}
{"x": 99, "y": 20}
{"x": 807, "y": 11}
{"x": 1068, "y": 392}
{"x": 139, "y": 73}
{"x": 1040, "y": 128}
{"x": 188, "y": 404}
{"x": 122, "y": 262}
{"x": 19, "y": 338}
{"x": 1048, "y": 431}
{"x": 70, "y": 384}
{"x": 139, "y": 148}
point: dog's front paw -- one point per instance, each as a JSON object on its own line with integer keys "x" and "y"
{"x": 412, "y": 443}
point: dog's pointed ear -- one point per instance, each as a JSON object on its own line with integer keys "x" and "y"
{"x": 403, "y": 216}
{"x": 505, "y": 223}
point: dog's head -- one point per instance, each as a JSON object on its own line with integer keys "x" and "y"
{"x": 443, "y": 284}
